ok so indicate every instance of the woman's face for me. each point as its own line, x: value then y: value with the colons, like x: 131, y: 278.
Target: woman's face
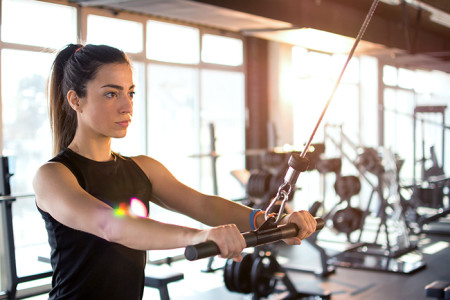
x: 107, y: 109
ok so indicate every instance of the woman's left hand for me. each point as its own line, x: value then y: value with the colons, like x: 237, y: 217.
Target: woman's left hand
x: 305, y: 223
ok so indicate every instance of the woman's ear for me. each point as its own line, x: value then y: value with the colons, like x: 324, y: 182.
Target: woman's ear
x: 74, y: 100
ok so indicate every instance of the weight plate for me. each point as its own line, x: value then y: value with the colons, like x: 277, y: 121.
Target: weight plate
x: 228, y: 275
x: 348, y: 219
x: 262, y: 279
x: 241, y: 274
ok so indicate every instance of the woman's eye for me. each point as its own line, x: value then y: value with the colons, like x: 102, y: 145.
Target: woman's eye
x: 111, y: 94
x: 131, y: 94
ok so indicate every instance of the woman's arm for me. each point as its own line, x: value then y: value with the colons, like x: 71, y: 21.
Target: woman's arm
x: 58, y: 193
x: 207, y: 209
x: 212, y: 210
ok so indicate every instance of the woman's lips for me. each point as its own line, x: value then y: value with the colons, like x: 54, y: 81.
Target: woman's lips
x: 124, y: 123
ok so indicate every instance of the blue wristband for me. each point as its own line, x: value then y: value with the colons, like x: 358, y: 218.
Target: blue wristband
x: 252, y: 218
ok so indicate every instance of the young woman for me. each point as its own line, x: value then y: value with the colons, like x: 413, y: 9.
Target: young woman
x: 97, y: 253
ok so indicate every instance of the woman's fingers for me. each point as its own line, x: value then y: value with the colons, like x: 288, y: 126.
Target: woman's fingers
x: 305, y: 223
x: 229, y: 240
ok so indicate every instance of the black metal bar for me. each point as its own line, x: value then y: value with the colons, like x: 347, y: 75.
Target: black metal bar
x: 252, y: 238
x: 35, y: 276
x: 10, y: 255
x: 10, y: 251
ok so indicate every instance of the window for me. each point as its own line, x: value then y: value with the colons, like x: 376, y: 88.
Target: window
x: 176, y: 99
x: 398, y: 133
x: 37, y: 23
x: 406, y: 78
x: 25, y: 126
x: 389, y: 75
x: 27, y: 143
x: 222, y: 105
x: 26, y: 129
x: 315, y: 77
x: 123, y: 34
x: 173, y: 43
x: 408, y: 89
x: 222, y: 50
x: 173, y: 126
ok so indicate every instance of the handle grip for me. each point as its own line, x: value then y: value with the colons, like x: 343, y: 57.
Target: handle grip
x: 252, y: 238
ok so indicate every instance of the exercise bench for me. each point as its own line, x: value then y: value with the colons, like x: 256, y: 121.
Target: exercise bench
x: 159, y: 277
x: 438, y: 289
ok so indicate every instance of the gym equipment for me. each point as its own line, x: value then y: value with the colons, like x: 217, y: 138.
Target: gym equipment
x: 6, y: 201
x: 427, y: 110
x: 331, y: 165
x: 259, y: 273
x: 273, y: 170
x: 350, y: 218
x: 258, y: 183
x: 435, y: 169
x: 268, y: 232
x: 315, y: 155
x: 158, y: 278
x: 378, y: 255
x: 297, y: 163
x: 5, y: 187
x: 347, y: 186
x: 438, y: 289
x: 370, y: 161
x: 433, y: 186
x: 13, y: 279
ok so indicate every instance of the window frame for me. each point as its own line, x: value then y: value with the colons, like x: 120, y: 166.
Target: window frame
x: 82, y: 13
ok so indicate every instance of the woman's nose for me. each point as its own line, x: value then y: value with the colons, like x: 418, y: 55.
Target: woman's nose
x: 126, y: 105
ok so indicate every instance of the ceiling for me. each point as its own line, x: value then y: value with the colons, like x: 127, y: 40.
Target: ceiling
x: 406, y: 33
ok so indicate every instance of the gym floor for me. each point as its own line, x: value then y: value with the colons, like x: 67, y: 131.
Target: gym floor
x: 343, y: 283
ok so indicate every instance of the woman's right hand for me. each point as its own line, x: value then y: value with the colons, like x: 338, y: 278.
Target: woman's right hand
x: 228, y: 238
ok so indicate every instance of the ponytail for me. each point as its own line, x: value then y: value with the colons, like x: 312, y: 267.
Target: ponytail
x: 63, y: 119
x: 73, y: 67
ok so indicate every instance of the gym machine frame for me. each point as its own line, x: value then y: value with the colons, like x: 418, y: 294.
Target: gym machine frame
x: 436, y: 182
x: 422, y: 110
x: 6, y: 201
x: 389, y: 258
x: 10, y: 257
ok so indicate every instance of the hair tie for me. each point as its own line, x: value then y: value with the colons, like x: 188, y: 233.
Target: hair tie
x: 78, y: 49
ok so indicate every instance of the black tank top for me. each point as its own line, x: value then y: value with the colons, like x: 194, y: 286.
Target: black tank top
x: 84, y: 265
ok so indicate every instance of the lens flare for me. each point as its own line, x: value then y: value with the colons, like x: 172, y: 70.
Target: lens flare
x: 122, y: 210
x: 136, y: 208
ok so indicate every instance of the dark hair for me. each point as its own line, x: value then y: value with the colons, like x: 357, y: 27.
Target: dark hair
x: 73, y: 68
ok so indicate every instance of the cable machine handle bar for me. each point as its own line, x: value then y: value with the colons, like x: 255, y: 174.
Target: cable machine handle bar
x: 252, y: 238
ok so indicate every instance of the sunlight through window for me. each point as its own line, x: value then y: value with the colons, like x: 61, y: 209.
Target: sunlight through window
x: 222, y: 50
x: 38, y: 23
x: 123, y: 34
x: 172, y: 43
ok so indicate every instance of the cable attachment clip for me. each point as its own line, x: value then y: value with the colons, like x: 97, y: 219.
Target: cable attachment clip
x: 297, y: 164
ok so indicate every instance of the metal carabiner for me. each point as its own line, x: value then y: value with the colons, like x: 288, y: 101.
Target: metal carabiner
x: 283, y: 196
